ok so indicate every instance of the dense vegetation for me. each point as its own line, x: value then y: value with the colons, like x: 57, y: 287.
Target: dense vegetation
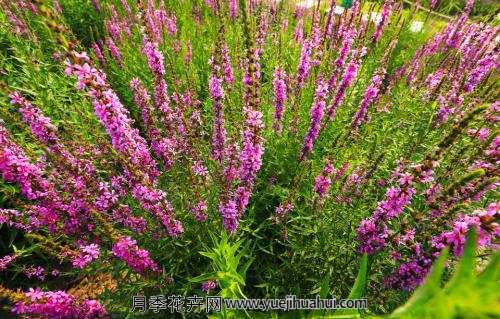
x: 246, y: 149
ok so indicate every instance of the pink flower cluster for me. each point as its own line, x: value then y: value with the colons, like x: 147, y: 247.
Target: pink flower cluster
x: 253, y: 147
x: 40, y: 125
x: 485, y: 221
x: 155, y: 201
x: 115, y: 118
x: 373, y: 232
x: 57, y: 304
x: 233, y: 8
x: 323, y: 181
x: 200, y: 211
x: 408, y: 275
x: 37, y: 272
x: 284, y: 209
x: 86, y: 254
x: 6, y: 261
x: 137, y: 259
x: 122, y: 214
x: 16, y: 167
x: 230, y: 217
x: 226, y: 65
x: 372, y: 235
x: 154, y: 57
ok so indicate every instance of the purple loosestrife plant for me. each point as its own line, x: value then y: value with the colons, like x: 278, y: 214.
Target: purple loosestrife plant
x: 372, y: 235
x: 137, y: 259
x: 233, y: 9
x: 199, y: 211
x: 127, y: 141
x: 161, y: 97
x: 304, y: 66
x: 411, y: 273
x: 485, y: 221
x: 226, y: 65
x: 79, y: 175
x: 208, y: 286
x: 262, y: 33
x: 348, y: 38
x: 253, y: 147
x: 323, y: 181
x: 113, y: 116
x: 280, y: 95
x: 153, y: 25
x: 164, y: 148
x: 114, y: 51
x: 346, y: 81
x: 218, y: 129
x: 97, y: 49
x: 384, y: 19
x: 284, y: 209
x: 484, y: 66
x: 86, y: 204
x: 154, y: 58
x: 368, y: 98
x: 299, y: 32
x: 433, y: 80
x: 229, y: 213
x: 40, y: 125
x: 143, y: 102
x: 316, y: 114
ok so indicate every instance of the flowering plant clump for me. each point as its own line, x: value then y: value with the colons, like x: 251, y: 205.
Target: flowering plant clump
x: 247, y: 148
x: 58, y: 304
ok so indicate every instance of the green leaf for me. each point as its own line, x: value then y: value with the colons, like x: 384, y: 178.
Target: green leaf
x: 204, y: 277
x: 245, y: 267
x: 325, y: 286
x: 464, y: 272
x: 358, y: 288
x: 209, y: 255
x: 324, y: 289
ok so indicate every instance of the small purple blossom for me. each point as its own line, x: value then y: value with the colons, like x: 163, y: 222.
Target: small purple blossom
x: 208, y: 286
x: 199, y: 211
x: 284, y: 209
